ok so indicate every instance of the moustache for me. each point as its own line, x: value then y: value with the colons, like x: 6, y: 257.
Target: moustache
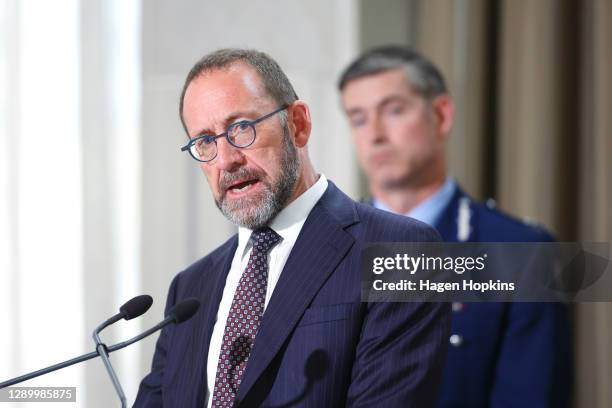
x: 228, y: 179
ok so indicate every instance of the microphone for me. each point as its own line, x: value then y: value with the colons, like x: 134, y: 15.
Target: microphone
x: 131, y: 309
x: 179, y: 313
x: 136, y: 307
x: 183, y: 310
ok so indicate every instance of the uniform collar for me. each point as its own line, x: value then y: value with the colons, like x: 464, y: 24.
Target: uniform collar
x: 430, y: 210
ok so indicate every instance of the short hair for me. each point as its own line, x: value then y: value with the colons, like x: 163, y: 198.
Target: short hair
x: 275, y: 81
x: 421, y: 73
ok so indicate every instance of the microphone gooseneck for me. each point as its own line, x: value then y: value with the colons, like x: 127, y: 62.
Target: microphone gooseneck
x: 132, y: 308
x: 171, y: 318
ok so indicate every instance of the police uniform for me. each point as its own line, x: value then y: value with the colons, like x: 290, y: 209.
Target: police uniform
x: 502, y: 354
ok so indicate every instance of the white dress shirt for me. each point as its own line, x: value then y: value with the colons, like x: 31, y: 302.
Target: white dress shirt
x: 288, y: 224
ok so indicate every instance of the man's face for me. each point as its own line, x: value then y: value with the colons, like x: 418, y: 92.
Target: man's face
x: 396, y: 131
x: 250, y: 185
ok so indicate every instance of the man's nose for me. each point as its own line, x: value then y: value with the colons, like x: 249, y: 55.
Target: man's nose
x: 228, y: 157
x: 377, y: 130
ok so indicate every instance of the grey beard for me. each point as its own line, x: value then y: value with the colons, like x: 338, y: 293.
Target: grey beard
x: 256, y: 212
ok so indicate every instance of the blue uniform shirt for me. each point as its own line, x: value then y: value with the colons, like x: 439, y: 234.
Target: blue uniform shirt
x: 430, y: 210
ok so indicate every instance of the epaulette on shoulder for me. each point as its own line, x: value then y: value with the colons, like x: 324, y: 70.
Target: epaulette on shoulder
x: 530, y: 222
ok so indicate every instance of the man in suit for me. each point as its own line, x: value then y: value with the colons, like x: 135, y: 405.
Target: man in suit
x: 400, y: 114
x: 281, y: 321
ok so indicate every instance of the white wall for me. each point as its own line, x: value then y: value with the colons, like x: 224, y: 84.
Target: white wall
x: 41, y: 220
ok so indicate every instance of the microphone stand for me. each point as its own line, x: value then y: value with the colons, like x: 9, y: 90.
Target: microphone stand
x: 103, y: 353
x: 87, y: 356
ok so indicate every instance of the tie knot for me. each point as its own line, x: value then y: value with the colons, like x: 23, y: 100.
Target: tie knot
x: 264, y: 239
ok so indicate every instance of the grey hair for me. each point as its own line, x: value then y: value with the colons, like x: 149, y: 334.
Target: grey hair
x: 275, y: 81
x: 421, y: 73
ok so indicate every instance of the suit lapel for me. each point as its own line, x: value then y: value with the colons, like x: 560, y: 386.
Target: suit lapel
x: 210, y: 291
x: 320, y: 247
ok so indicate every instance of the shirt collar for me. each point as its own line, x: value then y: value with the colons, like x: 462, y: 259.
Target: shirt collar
x: 288, y: 222
x: 430, y: 210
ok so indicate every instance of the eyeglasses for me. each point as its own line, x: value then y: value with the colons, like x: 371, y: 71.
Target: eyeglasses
x: 241, y: 134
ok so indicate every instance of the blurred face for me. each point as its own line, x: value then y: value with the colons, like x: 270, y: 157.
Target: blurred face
x: 398, y: 134
x: 250, y: 185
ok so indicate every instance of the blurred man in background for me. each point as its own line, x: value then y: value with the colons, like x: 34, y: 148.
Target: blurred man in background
x: 400, y: 114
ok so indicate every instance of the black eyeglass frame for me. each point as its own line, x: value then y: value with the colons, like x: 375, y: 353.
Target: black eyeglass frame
x: 211, y: 139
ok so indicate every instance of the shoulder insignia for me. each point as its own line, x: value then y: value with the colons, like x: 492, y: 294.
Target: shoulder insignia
x: 463, y: 220
x: 531, y: 222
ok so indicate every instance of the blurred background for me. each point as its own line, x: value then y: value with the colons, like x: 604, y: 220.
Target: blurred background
x: 97, y: 203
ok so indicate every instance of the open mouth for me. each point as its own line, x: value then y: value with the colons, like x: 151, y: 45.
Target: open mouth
x: 242, y: 186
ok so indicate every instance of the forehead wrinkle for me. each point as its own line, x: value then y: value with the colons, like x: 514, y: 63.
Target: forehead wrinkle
x: 231, y: 118
x: 250, y: 113
x: 228, y: 93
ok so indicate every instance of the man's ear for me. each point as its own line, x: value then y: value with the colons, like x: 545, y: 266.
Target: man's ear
x: 444, y: 109
x: 299, y: 122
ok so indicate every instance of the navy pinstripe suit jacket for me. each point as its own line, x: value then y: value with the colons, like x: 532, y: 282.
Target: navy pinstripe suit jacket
x: 318, y: 345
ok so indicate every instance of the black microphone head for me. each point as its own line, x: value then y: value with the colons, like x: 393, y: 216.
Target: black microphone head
x: 136, y: 306
x: 184, y: 310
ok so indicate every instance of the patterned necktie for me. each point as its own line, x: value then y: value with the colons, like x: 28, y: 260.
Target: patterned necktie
x: 243, y: 319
